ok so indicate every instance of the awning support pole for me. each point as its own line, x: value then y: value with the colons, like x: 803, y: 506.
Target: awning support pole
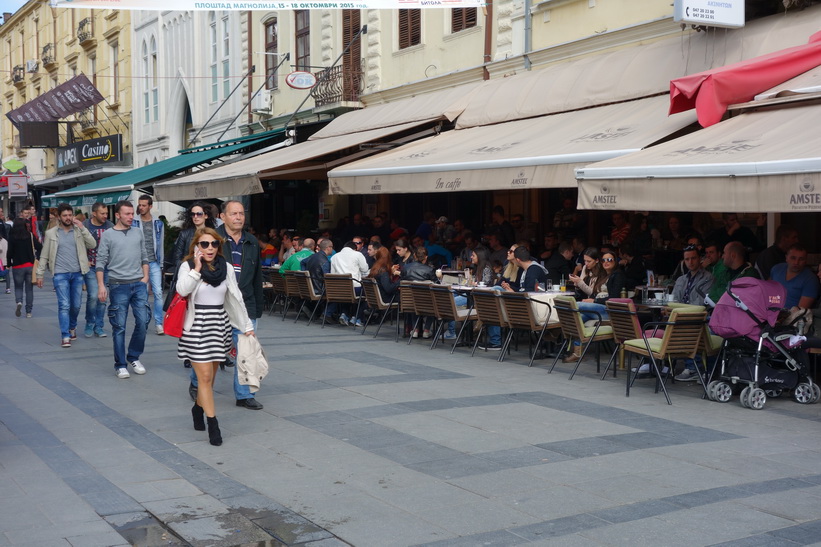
x: 241, y: 81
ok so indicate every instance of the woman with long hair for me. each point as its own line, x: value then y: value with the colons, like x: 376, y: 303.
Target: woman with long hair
x: 592, y: 275
x: 511, y: 271
x: 197, y: 216
x: 381, y: 271
x: 404, y: 252
x: 482, y: 270
x: 615, y: 281
x: 23, y: 250
x: 215, y: 303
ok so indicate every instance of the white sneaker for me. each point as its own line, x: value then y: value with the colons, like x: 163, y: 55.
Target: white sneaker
x: 138, y: 367
x: 643, y: 369
x: 160, y: 332
x: 123, y: 373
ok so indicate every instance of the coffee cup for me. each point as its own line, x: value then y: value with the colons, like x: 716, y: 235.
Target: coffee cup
x: 557, y: 287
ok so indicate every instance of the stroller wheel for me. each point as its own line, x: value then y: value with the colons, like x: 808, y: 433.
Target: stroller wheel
x: 803, y: 393
x: 710, y: 390
x: 774, y: 393
x: 816, y: 392
x: 743, y: 397
x: 723, y: 392
x: 756, y: 399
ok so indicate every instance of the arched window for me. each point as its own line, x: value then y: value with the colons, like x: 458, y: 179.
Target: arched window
x: 146, y: 84
x: 155, y: 90
x: 271, y: 53
x: 212, y: 38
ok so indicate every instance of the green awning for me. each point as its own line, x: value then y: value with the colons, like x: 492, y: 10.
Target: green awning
x: 108, y: 198
x: 127, y: 181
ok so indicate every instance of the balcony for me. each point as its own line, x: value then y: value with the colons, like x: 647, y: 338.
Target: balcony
x: 338, y: 85
x: 48, y: 55
x: 85, y: 30
x: 87, y: 118
x: 18, y: 74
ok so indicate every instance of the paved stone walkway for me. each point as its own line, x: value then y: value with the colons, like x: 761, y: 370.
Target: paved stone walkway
x: 372, y: 443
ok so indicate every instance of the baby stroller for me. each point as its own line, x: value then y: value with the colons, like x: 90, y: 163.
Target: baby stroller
x: 758, y: 351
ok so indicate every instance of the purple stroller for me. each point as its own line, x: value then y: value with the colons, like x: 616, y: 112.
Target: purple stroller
x: 757, y: 350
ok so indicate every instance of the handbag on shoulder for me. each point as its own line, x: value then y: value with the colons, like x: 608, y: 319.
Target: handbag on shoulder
x: 175, y: 316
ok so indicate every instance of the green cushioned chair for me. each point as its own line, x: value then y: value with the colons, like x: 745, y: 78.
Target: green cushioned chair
x: 570, y: 318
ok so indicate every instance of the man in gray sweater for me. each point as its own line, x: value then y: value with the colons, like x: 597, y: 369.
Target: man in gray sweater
x: 122, y: 253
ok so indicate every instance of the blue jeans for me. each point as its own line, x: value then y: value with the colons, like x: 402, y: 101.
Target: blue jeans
x: 95, y: 310
x: 461, y: 301
x: 155, y: 278
x: 69, y: 287
x: 240, y: 391
x: 22, y: 280
x: 121, y: 297
x: 592, y: 306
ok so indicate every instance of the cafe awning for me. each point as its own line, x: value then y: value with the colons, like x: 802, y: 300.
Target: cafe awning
x: 535, y: 153
x: 223, y: 180
x: 107, y: 198
x: 759, y: 161
x: 147, y: 174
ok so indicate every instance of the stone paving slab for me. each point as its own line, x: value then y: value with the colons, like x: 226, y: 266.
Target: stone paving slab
x: 366, y: 442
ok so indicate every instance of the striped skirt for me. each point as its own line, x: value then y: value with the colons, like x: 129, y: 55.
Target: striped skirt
x: 209, y: 338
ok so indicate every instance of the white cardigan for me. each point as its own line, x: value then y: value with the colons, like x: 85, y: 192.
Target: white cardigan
x: 189, y: 282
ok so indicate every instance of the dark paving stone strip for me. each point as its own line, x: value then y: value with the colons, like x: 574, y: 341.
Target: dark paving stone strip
x: 806, y: 533
x: 108, y: 500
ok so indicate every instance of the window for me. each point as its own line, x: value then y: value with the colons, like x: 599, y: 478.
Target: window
x: 303, y: 39
x: 271, y: 51
x: 226, y: 65
x: 410, y: 28
x: 462, y: 18
x: 155, y: 86
x: 115, y: 73
x: 212, y: 20
x: 146, y: 85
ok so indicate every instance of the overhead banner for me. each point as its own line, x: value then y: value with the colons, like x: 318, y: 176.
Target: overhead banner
x: 64, y: 100
x: 236, y: 5
x: 107, y: 149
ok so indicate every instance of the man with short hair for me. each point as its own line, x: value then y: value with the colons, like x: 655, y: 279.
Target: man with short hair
x: 532, y: 272
x: 154, y: 236
x: 621, y: 228
x: 122, y: 253
x: 734, y: 231
x: 785, y: 237
x: 444, y: 231
x: 712, y: 256
x: 64, y: 254
x: 471, y: 244
x: 241, y: 250
x: 498, y: 252
x: 635, y: 270
x: 350, y: 261
x: 96, y: 224
x: 799, y: 281
x: 286, y: 249
x: 692, y: 287
x: 304, y: 249
x: 731, y: 267
x: 501, y: 227
x: 560, y: 264
x: 318, y: 264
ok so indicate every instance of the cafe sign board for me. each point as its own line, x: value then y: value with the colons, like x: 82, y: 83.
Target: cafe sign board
x: 710, y: 13
x: 80, y: 154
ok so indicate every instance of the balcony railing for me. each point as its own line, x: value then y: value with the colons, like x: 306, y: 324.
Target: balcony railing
x: 87, y: 117
x: 18, y: 74
x: 338, y: 84
x: 85, y: 30
x: 48, y: 54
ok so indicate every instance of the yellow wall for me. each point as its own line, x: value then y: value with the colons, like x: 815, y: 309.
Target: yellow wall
x: 23, y: 38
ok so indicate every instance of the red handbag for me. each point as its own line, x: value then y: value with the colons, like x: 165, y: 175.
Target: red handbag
x: 174, y: 318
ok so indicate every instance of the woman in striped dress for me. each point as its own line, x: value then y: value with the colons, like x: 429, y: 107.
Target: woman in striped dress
x: 214, y: 304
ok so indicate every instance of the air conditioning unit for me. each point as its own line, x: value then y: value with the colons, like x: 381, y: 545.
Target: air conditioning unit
x: 263, y: 102
x: 32, y: 65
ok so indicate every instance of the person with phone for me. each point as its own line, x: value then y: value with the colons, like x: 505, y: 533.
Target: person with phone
x: 215, y: 304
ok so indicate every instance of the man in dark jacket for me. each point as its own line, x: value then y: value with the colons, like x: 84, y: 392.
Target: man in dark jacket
x: 241, y: 249
x: 319, y: 263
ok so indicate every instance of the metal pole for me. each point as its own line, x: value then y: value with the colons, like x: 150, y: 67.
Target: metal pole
x: 194, y: 140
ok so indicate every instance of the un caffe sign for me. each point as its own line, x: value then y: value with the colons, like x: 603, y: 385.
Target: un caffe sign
x: 80, y: 154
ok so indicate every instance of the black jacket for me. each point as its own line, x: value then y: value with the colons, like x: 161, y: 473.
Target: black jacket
x: 614, y: 284
x: 318, y: 264
x: 558, y: 267
x: 416, y: 271
x: 250, y: 277
x: 387, y: 287
x: 20, y: 251
x: 181, y: 246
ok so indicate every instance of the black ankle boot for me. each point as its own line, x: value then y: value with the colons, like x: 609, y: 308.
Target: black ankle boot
x: 214, y: 435
x: 199, y: 417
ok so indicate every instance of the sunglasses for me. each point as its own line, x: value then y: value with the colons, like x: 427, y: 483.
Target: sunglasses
x: 608, y: 259
x: 205, y: 244
x: 197, y: 214
x: 358, y: 243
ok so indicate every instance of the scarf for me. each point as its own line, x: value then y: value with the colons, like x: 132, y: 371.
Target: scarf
x: 217, y: 275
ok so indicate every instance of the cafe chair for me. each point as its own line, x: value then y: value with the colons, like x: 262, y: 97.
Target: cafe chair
x: 278, y: 295
x: 292, y: 294
x: 518, y: 308
x: 423, y: 305
x: 488, y: 306
x: 373, y: 296
x: 624, y: 320
x: 570, y: 318
x: 406, y: 309
x: 447, y: 312
x: 682, y: 339
x: 307, y: 291
x: 341, y: 289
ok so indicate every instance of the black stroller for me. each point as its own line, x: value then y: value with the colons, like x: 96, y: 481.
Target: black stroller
x: 757, y: 351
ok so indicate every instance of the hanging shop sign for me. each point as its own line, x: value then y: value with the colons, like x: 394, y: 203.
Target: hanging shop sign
x: 68, y: 98
x: 300, y: 80
x: 80, y: 154
x: 18, y: 185
x: 237, y: 5
x: 710, y: 13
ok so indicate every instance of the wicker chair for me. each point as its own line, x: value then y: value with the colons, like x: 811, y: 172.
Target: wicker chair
x: 405, y: 304
x: 340, y: 289
x: 423, y: 305
x: 570, y: 318
x: 447, y: 312
x: 626, y: 326
x: 307, y: 292
x: 373, y: 296
x: 292, y: 294
x: 278, y: 291
x: 518, y: 308
x: 488, y: 306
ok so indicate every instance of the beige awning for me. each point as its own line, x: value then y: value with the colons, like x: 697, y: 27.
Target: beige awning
x: 535, y: 153
x: 765, y: 161
x: 243, y: 177
x: 631, y: 72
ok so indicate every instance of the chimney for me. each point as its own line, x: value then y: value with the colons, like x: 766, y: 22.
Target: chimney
x: 6, y: 16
